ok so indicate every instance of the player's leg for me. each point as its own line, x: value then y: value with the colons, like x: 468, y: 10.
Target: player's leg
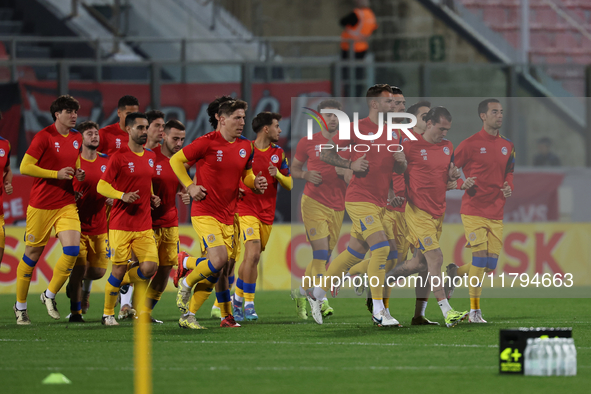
x: 97, y: 263
x: 120, y: 242
x: 144, y: 247
x: 74, y: 286
x: 390, y: 225
x: 37, y: 233
x: 167, y: 241
x: 235, y: 254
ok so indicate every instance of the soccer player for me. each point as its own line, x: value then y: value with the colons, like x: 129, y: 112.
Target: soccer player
x: 155, y: 129
x: 115, y: 136
x: 428, y: 168
x: 7, y: 181
x: 131, y: 168
x: 93, y: 260
x: 52, y: 159
x: 227, y: 157
x: 323, y: 202
x: 165, y: 218
x: 365, y: 201
x: 487, y: 159
x: 257, y: 211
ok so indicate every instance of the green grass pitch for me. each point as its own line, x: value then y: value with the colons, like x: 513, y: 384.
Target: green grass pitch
x: 282, y: 354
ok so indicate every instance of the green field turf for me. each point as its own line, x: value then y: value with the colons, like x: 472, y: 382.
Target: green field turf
x: 281, y: 354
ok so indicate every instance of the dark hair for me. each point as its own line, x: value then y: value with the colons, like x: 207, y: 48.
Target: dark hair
x: 330, y: 103
x: 264, y: 119
x: 396, y: 89
x: 483, y: 106
x: 173, y: 124
x: 414, y: 109
x: 63, y: 102
x: 378, y: 89
x: 127, y: 101
x: 436, y: 113
x: 214, y: 107
x: 154, y: 114
x: 229, y: 107
x: 130, y: 119
x: 89, y: 124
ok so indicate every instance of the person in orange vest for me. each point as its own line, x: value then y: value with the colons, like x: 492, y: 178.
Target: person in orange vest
x: 359, y: 26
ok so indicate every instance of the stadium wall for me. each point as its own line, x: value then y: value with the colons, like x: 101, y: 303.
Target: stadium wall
x: 528, y: 248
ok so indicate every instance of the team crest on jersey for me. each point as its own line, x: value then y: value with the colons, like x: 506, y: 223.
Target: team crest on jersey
x: 118, y: 143
x: 370, y: 133
x: 103, y: 168
x: 250, y: 231
x: 76, y: 145
x: 131, y: 166
x: 211, y: 238
x: 312, y: 232
x: 405, y: 139
x: 472, y: 236
x: 503, y: 150
x: 158, y: 169
x: 2, y: 153
x: 31, y: 238
x: 428, y: 241
x: 369, y: 220
x: 275, y: 159
x: 151, y: 163
x: 242, y: 153
x: 446, y: 150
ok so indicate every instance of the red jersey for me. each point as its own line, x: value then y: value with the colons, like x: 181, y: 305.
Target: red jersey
x: 91, y: 205
x: 54, y: 151
x: 372, y: 185
x: 262, y: 206
x: 166, y: 186
x: 398, y: 182
x: 219, y: 173
x: 331, y: 191
x: 112, y: 138
x: 127, y: 172
x: 5, y: 166
x: 427, y: 174
x: 491, y: 160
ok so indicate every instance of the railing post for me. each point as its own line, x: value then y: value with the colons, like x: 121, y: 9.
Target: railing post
x: 155, y: 86
x: 97, y: 57
x: 337, y: 79
x: 184, y: 60
x: 246, y: 93
x: 13, y: 67
x: 62, y: 78
x: 588, y: 114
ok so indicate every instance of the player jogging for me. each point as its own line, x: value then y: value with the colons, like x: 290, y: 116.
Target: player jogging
x: 227, y: 157
x: 115, y: 136
x: 130, y: 228
x: 487, y: 160
x: 257, y: 211
x: 7, y: 182
x: 52, y: 159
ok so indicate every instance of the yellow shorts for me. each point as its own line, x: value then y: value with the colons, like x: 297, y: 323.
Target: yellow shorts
x: 142, y: 243
x: 367, y: 219
x: 397, y: 221
x: 41, y: 221
x: 483, y: 234
x: 212, y: 233
x: 167, y: 242
x: 2, y: 233
x: 94, y: 249
x: 253, y: 229
x: 321, y: 221
x: 424, y: 231
x: 236, y: 239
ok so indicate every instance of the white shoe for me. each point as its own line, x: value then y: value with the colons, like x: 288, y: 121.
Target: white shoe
x: 22, y: 317
x: 50, y: 305
x: 109, y: 321
x: 316, y: 306
x: 476, y: 317
x: 384, y: 319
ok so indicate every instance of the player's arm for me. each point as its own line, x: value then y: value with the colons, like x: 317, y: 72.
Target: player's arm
x: 8, y: 174
x: 329, y: 155
x: 195, y: 151
x: 508, y: 185
x: 282, y: 175
x: 256, y: 183
x: 29, y: 167
x: 105, y: 187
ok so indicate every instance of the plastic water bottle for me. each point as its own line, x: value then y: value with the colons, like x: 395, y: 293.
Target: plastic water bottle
x: 531, y: 363
x: 570, y: 367
x: 560, y: 356
x: 542, y: 354
x: 551, y: 357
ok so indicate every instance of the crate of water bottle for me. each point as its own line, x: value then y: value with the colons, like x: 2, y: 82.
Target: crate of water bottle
x: 550, y: 357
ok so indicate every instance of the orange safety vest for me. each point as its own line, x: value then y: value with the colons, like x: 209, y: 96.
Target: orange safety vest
x: 361, y: 31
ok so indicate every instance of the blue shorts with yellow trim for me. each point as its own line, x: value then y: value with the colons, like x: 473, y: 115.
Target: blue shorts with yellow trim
x: 40, y: 222
x: 167, y: 242
x: 483, y: 234
x: 142, y: 243
x: 212, y: 233
x: 253, y: 229
x: 424, y: 230
x: 321, y: 221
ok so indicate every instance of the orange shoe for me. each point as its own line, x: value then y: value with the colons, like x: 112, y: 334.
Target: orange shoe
x: 229, y: 322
